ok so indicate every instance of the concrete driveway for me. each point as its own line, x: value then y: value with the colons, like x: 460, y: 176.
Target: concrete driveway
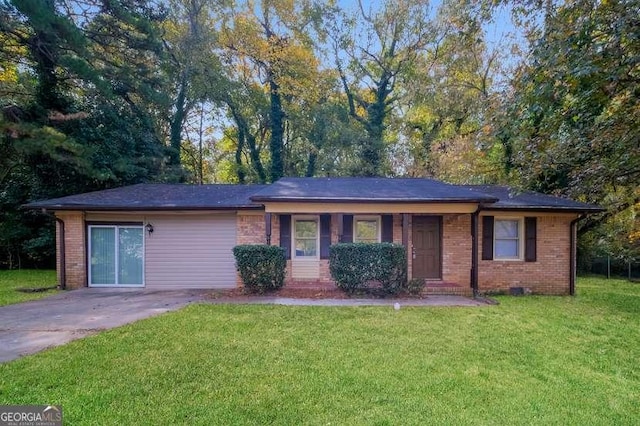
x: 29, y: 327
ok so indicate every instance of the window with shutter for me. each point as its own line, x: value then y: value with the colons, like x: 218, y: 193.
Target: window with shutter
x: 506, y: 244
x: 366, y: 229
x: 305, y: 238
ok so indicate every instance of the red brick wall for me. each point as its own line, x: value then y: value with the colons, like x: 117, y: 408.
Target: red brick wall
x: 548, y: 275
x: 251, y: 229
x: 456, y: 249
x: 75, y: 249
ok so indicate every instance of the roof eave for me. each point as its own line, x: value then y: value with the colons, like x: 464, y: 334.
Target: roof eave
x: 371, y: 200
x: 584, y: 210
x: 88, y: 207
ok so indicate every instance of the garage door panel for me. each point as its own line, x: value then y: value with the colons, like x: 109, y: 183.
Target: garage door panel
x: 191, y: 252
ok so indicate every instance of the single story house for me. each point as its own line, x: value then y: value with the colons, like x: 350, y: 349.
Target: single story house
x: 164, y: 236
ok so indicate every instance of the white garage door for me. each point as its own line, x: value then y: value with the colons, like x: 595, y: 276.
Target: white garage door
x: 190, y: 252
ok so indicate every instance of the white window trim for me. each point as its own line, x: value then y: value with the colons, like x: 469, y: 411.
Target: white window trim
x: 116, y: 226
x: 293, y: 238
x: 520, y: 256
x: 377, y: 218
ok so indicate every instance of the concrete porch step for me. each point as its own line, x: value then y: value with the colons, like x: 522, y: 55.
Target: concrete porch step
x: 441, y: 288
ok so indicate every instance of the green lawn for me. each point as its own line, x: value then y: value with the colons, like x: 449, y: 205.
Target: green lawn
x: 25, y: 278
x: 529, y: 360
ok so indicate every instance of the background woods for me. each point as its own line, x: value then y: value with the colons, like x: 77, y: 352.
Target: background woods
x: 535, y: 94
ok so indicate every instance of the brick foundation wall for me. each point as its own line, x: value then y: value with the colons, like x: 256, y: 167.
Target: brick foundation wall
x: 548, y: 275
x: 75, y: 249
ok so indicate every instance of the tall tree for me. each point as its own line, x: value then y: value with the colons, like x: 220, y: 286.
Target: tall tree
x: 190, y: 40
x: 572, y: 118
x: 450, y: 91
x: 79, y: 109
x: 275, y: 39
x: 374, y: 50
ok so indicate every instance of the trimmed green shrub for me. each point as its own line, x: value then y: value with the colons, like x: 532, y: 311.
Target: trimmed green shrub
x: 415, y: 286
x: 357, y: 266
x: 261, y: 267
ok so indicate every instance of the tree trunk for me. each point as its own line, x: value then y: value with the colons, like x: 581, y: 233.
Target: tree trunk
x: 254, y: 154
x: 239, y: 166
x: 277, y: 132
x: 200, y: 151
x: 255, y: 158
x: 175, y: 138
x: 44, y: 47
x: 311, y: 165
x: 374, y: 145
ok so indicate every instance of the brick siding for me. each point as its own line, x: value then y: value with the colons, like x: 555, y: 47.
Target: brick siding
x: 251, y: 229
x: 75, y: 249
x: 456, y: 249
x: 548, y: 275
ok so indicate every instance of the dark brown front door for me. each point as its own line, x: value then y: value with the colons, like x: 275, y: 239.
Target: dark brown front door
x: 427, y: 259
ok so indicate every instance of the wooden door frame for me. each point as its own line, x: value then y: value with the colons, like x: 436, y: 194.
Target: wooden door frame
x: 440, y: 220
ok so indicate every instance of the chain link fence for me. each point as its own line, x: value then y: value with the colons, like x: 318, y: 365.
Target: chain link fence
x: 611, y: 267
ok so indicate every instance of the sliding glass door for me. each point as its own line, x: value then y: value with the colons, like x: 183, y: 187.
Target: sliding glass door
x: 116, y: 255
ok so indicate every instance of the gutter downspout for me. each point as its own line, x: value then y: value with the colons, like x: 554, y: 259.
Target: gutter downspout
x: 474, y: 250
x: 63, y: 260
x: 572, y: 254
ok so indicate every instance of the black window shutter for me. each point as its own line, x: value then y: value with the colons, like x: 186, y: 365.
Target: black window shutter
x: 347, y: 228
x: 530, y: 236
x: 285, y: 234
x: 487, y: 237
x: 325, y: 235
x: 387, y: 228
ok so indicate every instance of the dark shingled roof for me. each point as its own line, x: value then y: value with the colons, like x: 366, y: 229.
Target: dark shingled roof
x: 397, y: 190
x: 158, y: 196
x: 381, y: 190
x: 512, y: 199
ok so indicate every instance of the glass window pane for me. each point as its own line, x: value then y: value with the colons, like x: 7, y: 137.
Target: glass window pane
x: 507, y: 248
x: 366, y: 231
x: 306, y: 228
x: 506, y: 228
x: 103, y: 259
x: 306, y: 248
x: 130, y: 256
